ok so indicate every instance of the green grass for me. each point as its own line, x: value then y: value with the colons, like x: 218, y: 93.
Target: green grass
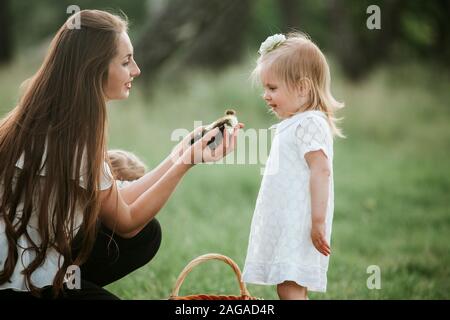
x: 392, y: 181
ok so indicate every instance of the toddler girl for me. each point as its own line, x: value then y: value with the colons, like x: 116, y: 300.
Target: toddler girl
x: 289, y: 243
x: 125, y: 165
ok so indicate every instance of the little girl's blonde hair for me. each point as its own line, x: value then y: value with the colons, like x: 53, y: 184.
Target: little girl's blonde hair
x: 126, y: 166
x: 295, y: 60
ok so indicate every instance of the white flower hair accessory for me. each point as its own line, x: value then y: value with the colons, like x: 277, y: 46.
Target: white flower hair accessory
x: 271, y: 43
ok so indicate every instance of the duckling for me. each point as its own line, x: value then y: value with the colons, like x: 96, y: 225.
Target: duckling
x: 229, y: 121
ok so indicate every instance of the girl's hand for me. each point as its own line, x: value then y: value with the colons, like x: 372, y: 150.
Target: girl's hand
x: 200, y: 151
x: 318, y: 238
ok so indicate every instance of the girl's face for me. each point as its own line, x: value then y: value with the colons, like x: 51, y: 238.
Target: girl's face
x: 282, y: 101
x: 122, y: 70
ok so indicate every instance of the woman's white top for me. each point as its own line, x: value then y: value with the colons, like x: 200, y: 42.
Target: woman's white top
x: 45, y: 274
x: 280, y: 246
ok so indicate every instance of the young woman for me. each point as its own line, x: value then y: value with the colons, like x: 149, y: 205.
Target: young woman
x: 59, y: 204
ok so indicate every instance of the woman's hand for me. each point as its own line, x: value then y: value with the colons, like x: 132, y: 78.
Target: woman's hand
x: 318, y: 238
x: 184, y: 144
x: 227, y: 145
x: 200, y: 152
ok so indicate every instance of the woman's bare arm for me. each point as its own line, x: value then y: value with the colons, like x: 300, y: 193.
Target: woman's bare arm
x: 127, y: 219
x: 132, y: 191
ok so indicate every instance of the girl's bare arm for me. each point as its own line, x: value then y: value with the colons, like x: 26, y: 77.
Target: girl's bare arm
x: 319, y: 187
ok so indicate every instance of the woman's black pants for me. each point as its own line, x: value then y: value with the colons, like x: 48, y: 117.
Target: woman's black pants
x: 110, y: 260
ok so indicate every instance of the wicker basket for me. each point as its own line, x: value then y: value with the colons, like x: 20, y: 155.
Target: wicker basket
x: 245, y: 295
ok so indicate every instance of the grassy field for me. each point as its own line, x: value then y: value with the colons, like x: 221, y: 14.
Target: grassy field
x: 392, y: 180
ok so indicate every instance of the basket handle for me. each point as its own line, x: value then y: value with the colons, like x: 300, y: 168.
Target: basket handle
x: 206, y: 257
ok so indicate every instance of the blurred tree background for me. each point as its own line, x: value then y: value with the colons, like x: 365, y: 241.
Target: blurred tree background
x: 214, y: 33
x: 392, y: 180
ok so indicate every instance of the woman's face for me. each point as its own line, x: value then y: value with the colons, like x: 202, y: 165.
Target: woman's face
x: 122, y: 70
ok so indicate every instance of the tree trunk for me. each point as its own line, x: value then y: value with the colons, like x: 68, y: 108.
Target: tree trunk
x: 220, y: 39
x: 441, y: 46
x: 291, y: 15
x: 344, y: 41
x: 201, y: 32
x: 357, y: 48
x: 6, y: 45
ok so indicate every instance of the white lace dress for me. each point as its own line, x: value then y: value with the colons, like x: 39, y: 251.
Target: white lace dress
x: 280, y: 246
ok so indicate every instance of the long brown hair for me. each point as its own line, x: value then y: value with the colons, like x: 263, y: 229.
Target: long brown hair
x: 62, y: 109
